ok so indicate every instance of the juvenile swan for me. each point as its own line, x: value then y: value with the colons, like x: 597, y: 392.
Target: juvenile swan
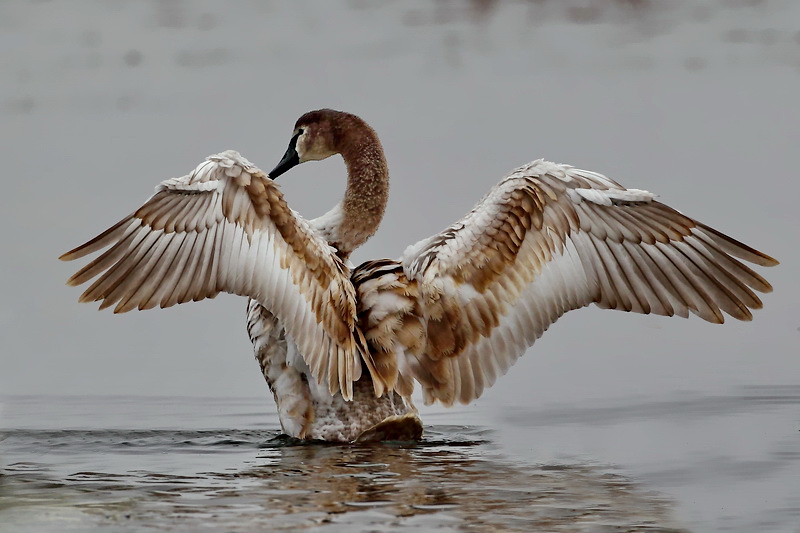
x: 341, y: 347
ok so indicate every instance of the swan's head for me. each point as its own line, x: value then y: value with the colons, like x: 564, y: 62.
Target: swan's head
x: 316, y: 136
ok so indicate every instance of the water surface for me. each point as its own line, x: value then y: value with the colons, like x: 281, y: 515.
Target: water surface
x: 112, y: 463
x: 456, y: 479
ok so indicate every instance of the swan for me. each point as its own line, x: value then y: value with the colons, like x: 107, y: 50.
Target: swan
x: 342, y: 346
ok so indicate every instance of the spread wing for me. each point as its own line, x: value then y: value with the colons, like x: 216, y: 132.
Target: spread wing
x: 545, y: 240
x: 227, y: 228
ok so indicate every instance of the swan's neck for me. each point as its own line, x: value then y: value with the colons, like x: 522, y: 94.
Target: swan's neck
x: 356, y: 218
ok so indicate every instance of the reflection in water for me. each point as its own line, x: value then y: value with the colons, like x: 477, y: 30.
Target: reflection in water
x: 447, y: 483
x: 454, y: 480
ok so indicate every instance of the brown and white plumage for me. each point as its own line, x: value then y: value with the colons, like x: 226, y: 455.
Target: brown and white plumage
x: 226, y: 228
x: 453, y: 313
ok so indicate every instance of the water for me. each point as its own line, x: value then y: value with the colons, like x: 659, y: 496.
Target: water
x: 456, y: 479
x: 118, y: 463
x: 611, y: 422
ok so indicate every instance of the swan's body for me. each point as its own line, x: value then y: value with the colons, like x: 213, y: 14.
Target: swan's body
x: 340, y: 347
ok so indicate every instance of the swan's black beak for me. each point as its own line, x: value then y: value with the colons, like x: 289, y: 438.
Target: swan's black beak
x: 290, y: 159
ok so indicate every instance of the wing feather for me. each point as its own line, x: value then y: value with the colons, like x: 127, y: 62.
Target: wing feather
x: 147, y: 294
x: 136, y: 283
x: 172, y: 294
x: 226, y: 228
x: 664, y: 294
x: 193, y: 257
x: 103, y: 262
x: 110, y: 236
x: 110, y: 279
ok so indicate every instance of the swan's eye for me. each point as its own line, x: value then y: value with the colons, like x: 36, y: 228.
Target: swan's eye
x: 301, y: 131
